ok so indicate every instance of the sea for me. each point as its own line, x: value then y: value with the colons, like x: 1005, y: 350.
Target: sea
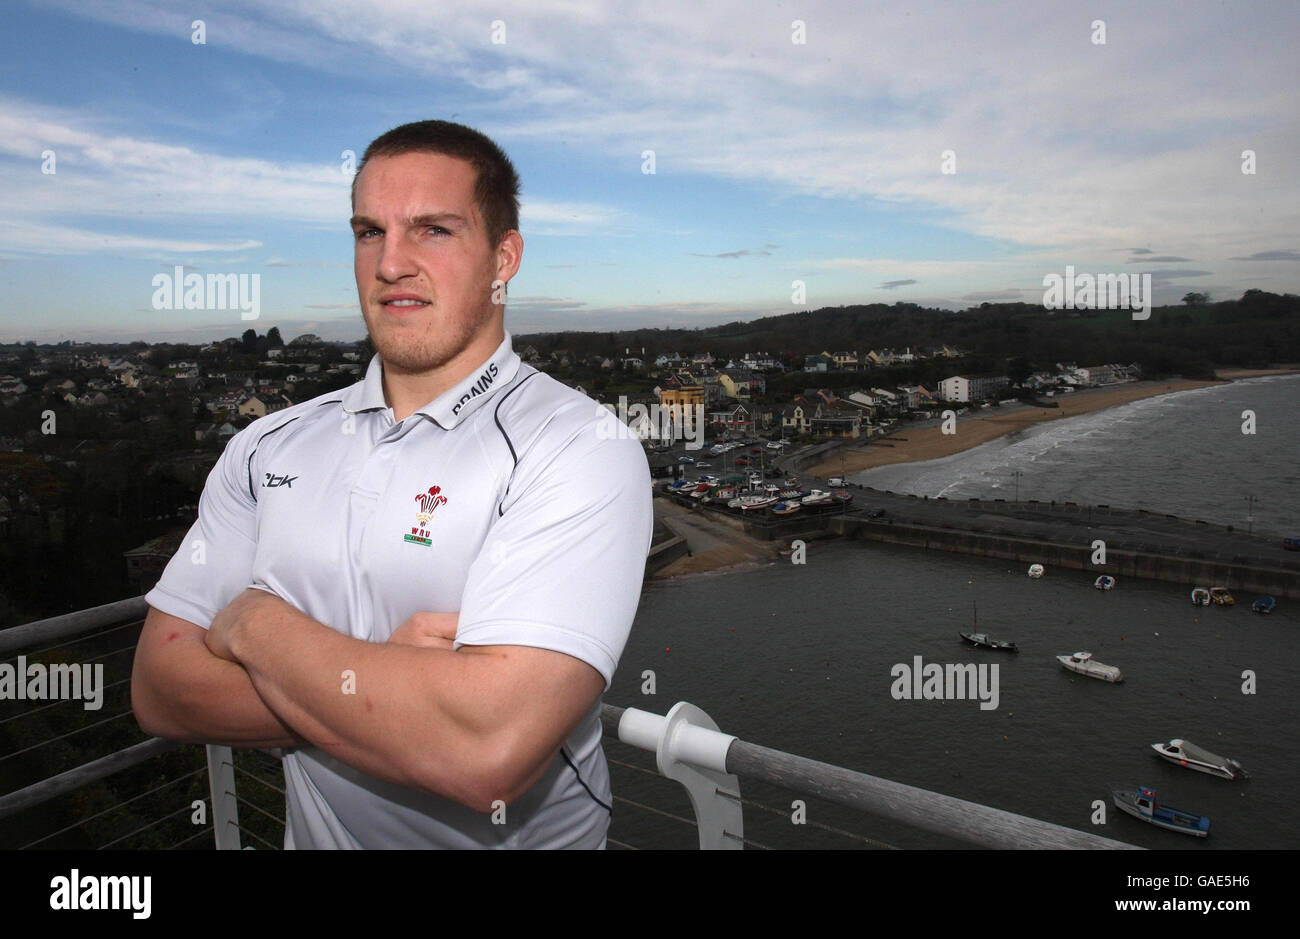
x: 806, y: 658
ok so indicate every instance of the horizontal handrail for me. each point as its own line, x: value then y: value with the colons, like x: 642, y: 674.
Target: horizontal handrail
x: 70, y: 625
x: 919, y: 808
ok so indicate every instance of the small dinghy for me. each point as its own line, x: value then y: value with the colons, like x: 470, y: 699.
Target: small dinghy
x: 1035, y: 571
x: 1104, y: 582
x: 1200, y: 596
x: 1221, y: 596
x: 1264, y: 604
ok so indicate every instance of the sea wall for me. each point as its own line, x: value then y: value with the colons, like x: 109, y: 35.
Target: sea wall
x: 1245, y: 581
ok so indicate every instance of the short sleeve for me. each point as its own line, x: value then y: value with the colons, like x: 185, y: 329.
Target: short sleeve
x: 562, y: 566
x: 215, y: 561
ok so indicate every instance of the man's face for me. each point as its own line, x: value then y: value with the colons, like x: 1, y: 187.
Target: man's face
x: 424, y: 265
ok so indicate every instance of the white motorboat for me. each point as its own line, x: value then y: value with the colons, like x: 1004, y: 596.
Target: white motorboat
x: 1185, y: 753
x: 816, y: 497
x: 1083, y: 663
x: 1035, y: 571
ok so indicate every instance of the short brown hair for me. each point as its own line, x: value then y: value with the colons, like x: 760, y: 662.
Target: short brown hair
x: 496, y: 191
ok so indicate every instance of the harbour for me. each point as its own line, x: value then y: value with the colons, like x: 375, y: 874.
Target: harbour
x: 798, y: 656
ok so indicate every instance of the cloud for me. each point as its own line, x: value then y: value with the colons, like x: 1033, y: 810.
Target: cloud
x: 1166, y: 277
x: 744, y: 253
x: 895, y: 284
x: 28, y: 238
x: 1158, y: 258
x: 1270, y: 256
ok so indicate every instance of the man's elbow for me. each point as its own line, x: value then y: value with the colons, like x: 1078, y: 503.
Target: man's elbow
x: 151, y: 713
x: 494, y: 775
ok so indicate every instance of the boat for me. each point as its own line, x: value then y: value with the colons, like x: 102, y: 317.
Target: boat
x: 1264, y: 604
x: 842, y: 496
x: 1200, y: 596
x: 1082, y: 662
x: 817, y: 497
x: 1035, y: 571
x: 984, y: 639
x: 988, y: 642
x: 1221, y: 597
x: 1140, y: 802
x: 786, y: 508
x: 1104, y: 582
x: 1185, y: 753
x: 751, y: 503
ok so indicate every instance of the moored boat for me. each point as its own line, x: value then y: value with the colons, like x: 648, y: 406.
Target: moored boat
x: 1035, y: 571
x: 988, y: 642
x: 1264, y: 604
x: 1140, y: 802
x: 816, y: 497
x: 1221, y: 597
x: 786, y: 508
x: 1184, y: 753
x: 1200, y: 596
x: 1083, y: 663
x: 1104, y: 582
x: 984, y: 639
x: 842, y: 496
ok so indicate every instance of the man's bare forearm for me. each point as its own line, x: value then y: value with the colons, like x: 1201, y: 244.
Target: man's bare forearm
x: 181, y: 691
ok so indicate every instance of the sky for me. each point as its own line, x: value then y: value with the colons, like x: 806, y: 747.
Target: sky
x: 943, y: 154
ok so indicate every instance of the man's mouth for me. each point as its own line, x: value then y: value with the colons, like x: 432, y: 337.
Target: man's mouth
x: 402, y: 302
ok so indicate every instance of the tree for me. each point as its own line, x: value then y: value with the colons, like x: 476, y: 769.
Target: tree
x: 1196, y: 299
x: 273, y: 340
x: 248, y: 342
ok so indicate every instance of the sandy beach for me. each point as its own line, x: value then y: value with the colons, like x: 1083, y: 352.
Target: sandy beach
x: 911, y: 444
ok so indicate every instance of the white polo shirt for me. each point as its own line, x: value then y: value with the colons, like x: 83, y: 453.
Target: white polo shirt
x: 511, y: 498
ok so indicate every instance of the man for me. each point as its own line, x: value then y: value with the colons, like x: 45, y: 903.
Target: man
x: 342, y: 543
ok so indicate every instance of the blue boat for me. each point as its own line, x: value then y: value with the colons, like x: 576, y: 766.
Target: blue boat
x: 1264, y: 604
x: 1141, y: 803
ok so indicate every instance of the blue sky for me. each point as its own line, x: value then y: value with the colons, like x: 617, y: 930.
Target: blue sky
x: 775, y: 160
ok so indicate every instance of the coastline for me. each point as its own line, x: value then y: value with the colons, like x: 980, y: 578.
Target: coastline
x: 915, y: 444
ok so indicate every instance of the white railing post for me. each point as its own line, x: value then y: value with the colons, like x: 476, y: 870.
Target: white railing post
x: 689, y: 748
x: 225, y: 808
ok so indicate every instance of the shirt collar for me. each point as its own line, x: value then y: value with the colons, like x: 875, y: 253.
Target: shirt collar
x: 452, y: 406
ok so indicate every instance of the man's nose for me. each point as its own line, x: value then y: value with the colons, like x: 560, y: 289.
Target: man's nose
x: 396, y: 258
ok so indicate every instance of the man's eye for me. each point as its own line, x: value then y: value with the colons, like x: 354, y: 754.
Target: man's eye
x: 363, y: 233
x: 438, y: 230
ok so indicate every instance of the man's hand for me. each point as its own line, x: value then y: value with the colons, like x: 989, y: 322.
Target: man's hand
x: 248, y: 603
x: 428, y: 630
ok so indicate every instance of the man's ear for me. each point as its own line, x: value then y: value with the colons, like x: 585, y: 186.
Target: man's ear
x: 510, y: 253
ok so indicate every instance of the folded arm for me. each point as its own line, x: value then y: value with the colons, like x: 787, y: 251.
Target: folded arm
x: 475, y: 725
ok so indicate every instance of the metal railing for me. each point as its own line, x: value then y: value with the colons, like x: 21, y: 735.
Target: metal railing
x: 688, y: 748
